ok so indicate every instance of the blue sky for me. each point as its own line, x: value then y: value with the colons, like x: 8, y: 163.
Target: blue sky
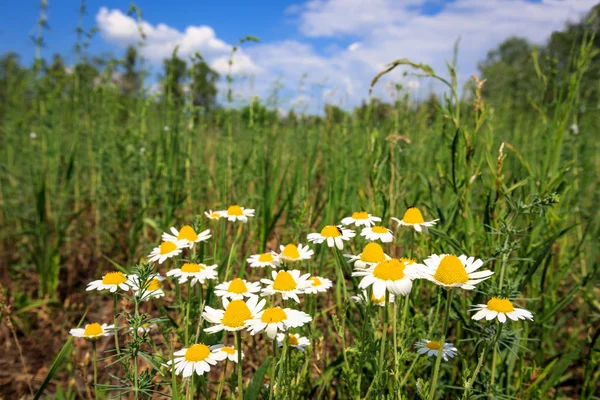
x: 334, y: 45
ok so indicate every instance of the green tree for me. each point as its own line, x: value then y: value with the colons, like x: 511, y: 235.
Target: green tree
x: 174, y: 79
x: 204, y: 84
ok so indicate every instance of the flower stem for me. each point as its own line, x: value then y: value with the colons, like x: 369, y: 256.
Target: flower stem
x: 115, y: 300
x: 238, y: 340
x: 384, y: 333
x: 395, y: 333
x: 273, y: 368
x: 438, y: 360
x: 495, y: 356
x: 222, y: 383
x: 94, y: 360
x: 187, y: 313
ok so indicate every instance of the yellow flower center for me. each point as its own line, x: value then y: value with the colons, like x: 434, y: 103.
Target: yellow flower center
x: 215, y: 215
x: 451, y: 271
x: 92, y: 330
x: 330, y: 231
x: 360, y: 215
x: 315, y: 281
x: 167, y: 247
x: 413, y: 216
x: 291, y: 251
x: 433, y: 345
x: 500, y: 305
x: 237, y: 286
x: 114, y: 278
x: 235, y: 210
x: 197, y: 352
x: 293, y: 340
x: 228, y: 350
x: 191, y: 268
x: 372, y: 253
x: 379, y: 229
x: 284, y: 281
x: 389, y: 270
x: 236, y: 314
x: 408, y: 261
x: 154, y: 284
x: 273, y: 314
x: 377, y: 300
x: 266, y: 257
x: 187, y: 233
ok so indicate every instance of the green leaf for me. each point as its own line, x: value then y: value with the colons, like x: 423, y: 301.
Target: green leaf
x: 257, y: 380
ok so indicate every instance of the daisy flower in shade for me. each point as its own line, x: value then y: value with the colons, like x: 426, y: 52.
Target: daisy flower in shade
x: 93, y: 332
x: 414, y: 219
x: 334, y: 235
x: 288, y: 283
x: 275, y: 319
x: 234, y: 316
x: 361, y: 218
x: 263, y: 260
x: 371, y: 255
x: 291, y: 253
x: 393, y: 275
x: 454, y: 272
x: 379, y: 301
x: 111, y: 281
x: 230, y: 352
x: 195, y: 272
x: 187, y: 236
x: 210, y: 214
x: 153, y: 288
x: 318, y: 285
x: 500, y: 308
x: 377, y: 233
x: 237, y: 213
x: 432, y: 348
x: 297, y: 341
x: 237, y: 289
x: 165, y: 250
x: 197, y: 358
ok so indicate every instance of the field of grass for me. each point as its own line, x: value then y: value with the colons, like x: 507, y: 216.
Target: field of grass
x: 90, y: 179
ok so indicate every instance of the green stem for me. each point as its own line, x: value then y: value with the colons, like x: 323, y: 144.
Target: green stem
x: 495, y: 356
x: 504, y: 260
x: 238, y: 343
x: 404, y: 312
x: 115, y: 301
x: 438, y: 360
x: 187, y: 313
x: 395, y: 333
x: 222, y: 383
x: 273, y: 369
x: 94, y: 360
x: 384, y: 333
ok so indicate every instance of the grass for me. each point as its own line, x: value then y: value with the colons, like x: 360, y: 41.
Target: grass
x: 104, y: 175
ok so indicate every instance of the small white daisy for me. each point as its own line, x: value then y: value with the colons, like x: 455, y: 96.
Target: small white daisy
x: 231, y: 352
x: 187, y: 236
x: 210, y: 214
x: 164, y: 251
x: 296, y: 341
x: 334, y: 235
x: 152, y: 289
x: 361, y: 298
x: 291, y: 253
x: 274, y: 319
x: 237, y: 213
x: 361, y: 218
x: 93, y: 332
x: 394, y: 275
x: 371, y: 255
x: 145, y: 328
x: 454, y: 272
x: 237, y: 289
x: 111, y: 281
x: 414, y: 219
x: 432, y: 348
x: 318, y: 285
x: 197, y: 358
x: 234, y: 316
x: 195, y: 272
x: 500, y: 308
x: 288, y: 283
x: 263, y: 260
x: 377, y: 233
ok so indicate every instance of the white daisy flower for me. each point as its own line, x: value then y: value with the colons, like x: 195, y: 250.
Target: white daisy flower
x: 371, y: 255
x: 275, y: 319
x: 111, y: 281
x: 165, y: 250
x: 210, y: 214
x: 500, y: 308
x: 334, y: 235
x: 297, y: 341
x: 414, y: 219
x: 197, y: 358
x: 361, y: 218
x: 153, y: 288
x: 230, y: 352
x: 237, y: 289
x: 234, y: 316
x: 291, y: 253
x: 454, y: 272
x: 394, y: 275
x: 145, y: 328
x: 187, y: 236
x: 432, y: 348
x: 289, y: 283
x: 237, y: 213
x: 318, y: 285
x: 263, y: 260
x: 361, y: 298
x: 377, y: 233
x: 93, y: 332
x: 195, y: 272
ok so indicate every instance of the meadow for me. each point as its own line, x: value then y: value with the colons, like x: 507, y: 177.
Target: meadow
x: 90, y: 179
